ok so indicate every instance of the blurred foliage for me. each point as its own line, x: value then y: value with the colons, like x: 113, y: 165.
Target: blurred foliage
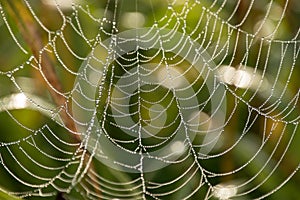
x: 27, y: 75
x: 5, y: 196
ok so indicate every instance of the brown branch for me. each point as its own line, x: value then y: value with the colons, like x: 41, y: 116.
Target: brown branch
x: 30, y: 32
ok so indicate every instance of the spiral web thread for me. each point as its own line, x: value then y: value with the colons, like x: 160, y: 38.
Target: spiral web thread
x: 47, y: 161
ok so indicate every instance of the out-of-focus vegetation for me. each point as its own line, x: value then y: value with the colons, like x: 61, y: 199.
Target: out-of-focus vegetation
x: 44, y: 37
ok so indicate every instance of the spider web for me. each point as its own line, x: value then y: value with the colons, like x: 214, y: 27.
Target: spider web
x: 149, y: 99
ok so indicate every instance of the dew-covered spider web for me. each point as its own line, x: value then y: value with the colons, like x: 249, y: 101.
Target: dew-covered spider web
x: 149, y: 99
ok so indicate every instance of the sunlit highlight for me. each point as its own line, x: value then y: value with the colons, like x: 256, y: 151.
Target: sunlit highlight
x: 245, y: 77
x: 133, y: 20
x: 177, y: 147
x: 17, y: 101
x: 170, y: 78
x: 224, y: 192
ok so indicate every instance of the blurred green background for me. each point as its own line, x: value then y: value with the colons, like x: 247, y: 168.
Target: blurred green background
x: 223, y: 28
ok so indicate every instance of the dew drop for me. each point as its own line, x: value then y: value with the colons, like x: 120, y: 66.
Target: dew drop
x: 58, y: 32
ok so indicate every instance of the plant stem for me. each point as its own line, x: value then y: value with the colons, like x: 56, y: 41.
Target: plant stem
x: 30, y: 32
